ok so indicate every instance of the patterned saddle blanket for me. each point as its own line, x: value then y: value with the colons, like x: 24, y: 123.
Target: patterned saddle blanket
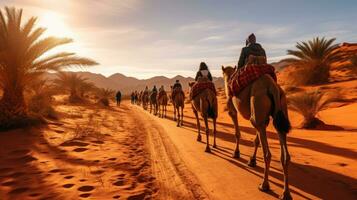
x: 199, y: 86
x: 243, y: 77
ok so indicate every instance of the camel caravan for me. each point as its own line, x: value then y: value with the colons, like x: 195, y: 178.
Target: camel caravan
x: 251, y: 89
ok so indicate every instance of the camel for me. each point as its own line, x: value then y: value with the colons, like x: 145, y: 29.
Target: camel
x: 162, y: 103
x: 145, y: 100
x: 205, y: 103
x: 178, y: 101
x: 139, y: 98
x: 257, y: 102
x: 153, y: 103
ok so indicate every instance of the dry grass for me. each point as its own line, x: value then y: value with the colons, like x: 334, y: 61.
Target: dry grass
x: 309, y: 104
x: 104, y: 96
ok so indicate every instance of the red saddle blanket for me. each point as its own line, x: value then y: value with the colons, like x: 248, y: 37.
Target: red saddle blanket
x: 243, y: 77
x: 198, y: 87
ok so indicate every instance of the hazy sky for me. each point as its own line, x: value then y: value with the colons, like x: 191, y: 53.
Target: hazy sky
x: 145, y: 38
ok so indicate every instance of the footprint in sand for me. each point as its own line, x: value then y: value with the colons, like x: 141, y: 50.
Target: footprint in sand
x: 85, y: 195
x: 97, y: 142
x: 116, y: 197
x: 137, y: 196
x: 119, y: 182
x: 97, y: 172
x: 56, y: 171
x: 74, y: 143
x: 80, y: 149
x: 69, y: 185
x: 34, y: 194
x: 83, y: 180
x: 68, y: 177
x: 86, y: 188
x: 112, y: 159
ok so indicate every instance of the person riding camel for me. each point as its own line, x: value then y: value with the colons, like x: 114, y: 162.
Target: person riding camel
x: 203, y: 72
x: 154, y: 89
x: 161, y: 88
x: 203, y: 80
x: 177, y: 85
x: 251, y: 48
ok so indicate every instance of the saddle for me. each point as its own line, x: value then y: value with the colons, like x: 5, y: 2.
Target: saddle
x: 176, y: 91
x: 254, y: 69
x: 200, y: 85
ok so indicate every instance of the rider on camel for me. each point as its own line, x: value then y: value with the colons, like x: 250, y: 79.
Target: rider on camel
x: 154, y: 90
x: 203, y: 72
x: 177, y: 85
x: 251, y: 48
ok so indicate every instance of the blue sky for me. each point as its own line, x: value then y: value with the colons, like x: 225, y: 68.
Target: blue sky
x: 144, y: 38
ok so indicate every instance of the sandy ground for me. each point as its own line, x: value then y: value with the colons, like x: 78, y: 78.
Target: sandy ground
x: 324, y: 162
x: 90, y: 154
x: 127, y: 153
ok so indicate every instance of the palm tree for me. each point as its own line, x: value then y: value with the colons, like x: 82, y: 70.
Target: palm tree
x: 72, y: 83
x: 309, y: 104
x: 22, y: 59
x: 313, y: 60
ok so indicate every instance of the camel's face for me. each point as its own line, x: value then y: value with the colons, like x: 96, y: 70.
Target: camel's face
x: 227, y: 72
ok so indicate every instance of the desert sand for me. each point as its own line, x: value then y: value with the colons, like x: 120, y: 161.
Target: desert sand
x: 126, y: 153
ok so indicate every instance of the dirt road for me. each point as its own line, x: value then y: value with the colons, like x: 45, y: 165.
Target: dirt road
x: 222, y: 177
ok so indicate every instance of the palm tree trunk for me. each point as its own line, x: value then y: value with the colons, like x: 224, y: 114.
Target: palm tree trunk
x: 13, y: 109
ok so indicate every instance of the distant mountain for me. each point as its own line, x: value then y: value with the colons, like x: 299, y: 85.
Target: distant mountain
x: 128, y: 84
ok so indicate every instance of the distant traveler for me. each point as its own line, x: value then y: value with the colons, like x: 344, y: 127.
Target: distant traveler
x: 118, y: 97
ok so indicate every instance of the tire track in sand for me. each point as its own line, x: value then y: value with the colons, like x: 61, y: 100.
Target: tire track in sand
x: 173, y: 179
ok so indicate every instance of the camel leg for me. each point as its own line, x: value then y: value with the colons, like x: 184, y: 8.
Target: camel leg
x: 214, y: 132
x: 232, y: 111
x: 174, y: 113
x: 260, y: 111
x: 178, y: 117
x: 182, y: 116
x: 253, y: 160
x: 285, y: 161
x: 208, y: 150
x: 199, y: 138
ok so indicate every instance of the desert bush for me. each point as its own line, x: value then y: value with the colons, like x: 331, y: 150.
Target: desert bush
x: 23, y: 59
x: 313, y: 59
x: 309, y: 104
x: 72, y: 83
x: 41, y: 99
x: 104, y: 96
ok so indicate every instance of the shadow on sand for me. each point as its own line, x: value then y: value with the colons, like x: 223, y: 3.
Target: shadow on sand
x: 313, y: 180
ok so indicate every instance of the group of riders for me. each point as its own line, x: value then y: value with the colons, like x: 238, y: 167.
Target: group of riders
x: 143, y: 97
x: 252, y: 90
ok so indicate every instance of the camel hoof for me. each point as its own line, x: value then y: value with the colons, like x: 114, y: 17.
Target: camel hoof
x: 264, y: 187
x: 178, y: 125
x: 208, y: 150
x: 199, y: 138
x: 236, y: 154
x: 286, y: 196
x: 252, y: 162
x: 215, y: 146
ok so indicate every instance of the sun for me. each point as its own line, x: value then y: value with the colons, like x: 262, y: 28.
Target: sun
x: 55, y: 25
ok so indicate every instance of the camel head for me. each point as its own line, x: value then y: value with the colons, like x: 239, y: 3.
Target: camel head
x: 227, y: 73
